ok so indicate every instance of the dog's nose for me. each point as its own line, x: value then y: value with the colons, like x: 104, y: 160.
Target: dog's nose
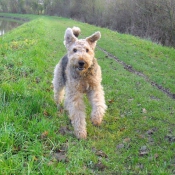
x: 81, y: 63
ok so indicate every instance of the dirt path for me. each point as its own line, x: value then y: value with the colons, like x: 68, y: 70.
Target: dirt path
x: 130, y: 69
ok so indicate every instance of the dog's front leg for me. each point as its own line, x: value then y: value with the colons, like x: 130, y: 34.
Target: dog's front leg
x: 75, y: 106
x: 99, y: 107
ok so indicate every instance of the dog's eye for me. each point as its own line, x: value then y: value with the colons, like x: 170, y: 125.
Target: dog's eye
x: 74, y: 50
x: 87, y: 50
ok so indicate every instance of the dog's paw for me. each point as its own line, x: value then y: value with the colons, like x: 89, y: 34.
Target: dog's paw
x: 96, y: 121
x: 81, y: 134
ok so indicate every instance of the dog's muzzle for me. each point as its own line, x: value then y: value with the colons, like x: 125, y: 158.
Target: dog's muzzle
x: 81, y: 65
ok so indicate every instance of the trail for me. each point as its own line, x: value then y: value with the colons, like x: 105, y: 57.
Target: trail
x: 130, y: 69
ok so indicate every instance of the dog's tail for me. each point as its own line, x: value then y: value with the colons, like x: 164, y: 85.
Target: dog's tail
x: 76, y: 31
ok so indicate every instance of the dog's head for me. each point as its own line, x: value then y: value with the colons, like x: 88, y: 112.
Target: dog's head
x: 80, y: 51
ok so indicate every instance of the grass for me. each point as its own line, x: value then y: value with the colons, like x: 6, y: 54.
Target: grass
x: 138, y: 132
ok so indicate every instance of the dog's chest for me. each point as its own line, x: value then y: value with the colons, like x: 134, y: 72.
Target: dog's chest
x: 85, y: 85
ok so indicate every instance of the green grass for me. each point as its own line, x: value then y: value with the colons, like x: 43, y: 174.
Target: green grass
x: 138, y: 132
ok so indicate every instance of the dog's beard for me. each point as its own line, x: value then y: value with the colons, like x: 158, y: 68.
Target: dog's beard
x: 82, y: 68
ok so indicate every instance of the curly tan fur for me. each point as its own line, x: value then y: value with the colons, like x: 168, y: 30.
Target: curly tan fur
x: 79, y: 73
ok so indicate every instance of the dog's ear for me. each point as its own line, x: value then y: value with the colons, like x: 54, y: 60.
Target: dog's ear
x: 69, y: 38
x: 76, y: 31
x: 92, y: 40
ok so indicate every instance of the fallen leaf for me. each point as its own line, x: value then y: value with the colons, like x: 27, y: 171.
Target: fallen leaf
x: 122, y: 116
x: 16, y: 149
x: 122, y: 129
x: 116, y: 118
x: 100, y: 166
x: 144, y: 110
x: 48, y: 90
x: 151, y: 131
x: 35, y: 158
x: 101, y: 154
x: 140, y: 136
x: 60, y: 156
x: 37, y: 80
x: 64, y: 129
x: 126, y: 140
x: 50, y: 163
x: 143, y: 153
x: 111, y: 101
x: 156, y: 156
x: 140, y: 166
x: 46, y: 113
x: 143, y: 148
x: 131, y: 99
x: 120, y: 146
x: 170, y: 138
x: 44, y: 134
x: 151, y: 140
x: 145, y: 117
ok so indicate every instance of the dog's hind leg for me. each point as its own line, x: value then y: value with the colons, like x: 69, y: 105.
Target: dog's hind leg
x: 59, y: 80
x: 58, y: 84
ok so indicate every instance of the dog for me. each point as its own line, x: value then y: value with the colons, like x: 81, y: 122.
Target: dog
x: 76, y: 74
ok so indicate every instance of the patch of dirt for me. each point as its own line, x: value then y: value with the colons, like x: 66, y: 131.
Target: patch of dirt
x: 130, y: 69
x: 143, y: 151
x: 65, y: 130
x: 100, y: 166
x: 60, y: 156
x: 170, y: 138
x: 120, y: 146
x: 100, y: 153
x: 152, y: 131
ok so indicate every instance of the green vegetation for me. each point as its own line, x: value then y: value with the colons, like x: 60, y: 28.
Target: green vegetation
x: 138, y: 132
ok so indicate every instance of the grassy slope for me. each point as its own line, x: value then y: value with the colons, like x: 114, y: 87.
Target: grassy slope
x: 137, y: 135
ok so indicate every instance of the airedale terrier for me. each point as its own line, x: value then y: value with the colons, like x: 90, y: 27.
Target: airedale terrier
x: 79, y: 73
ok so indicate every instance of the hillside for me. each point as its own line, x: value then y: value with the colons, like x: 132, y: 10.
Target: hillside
x: 138, y: 132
